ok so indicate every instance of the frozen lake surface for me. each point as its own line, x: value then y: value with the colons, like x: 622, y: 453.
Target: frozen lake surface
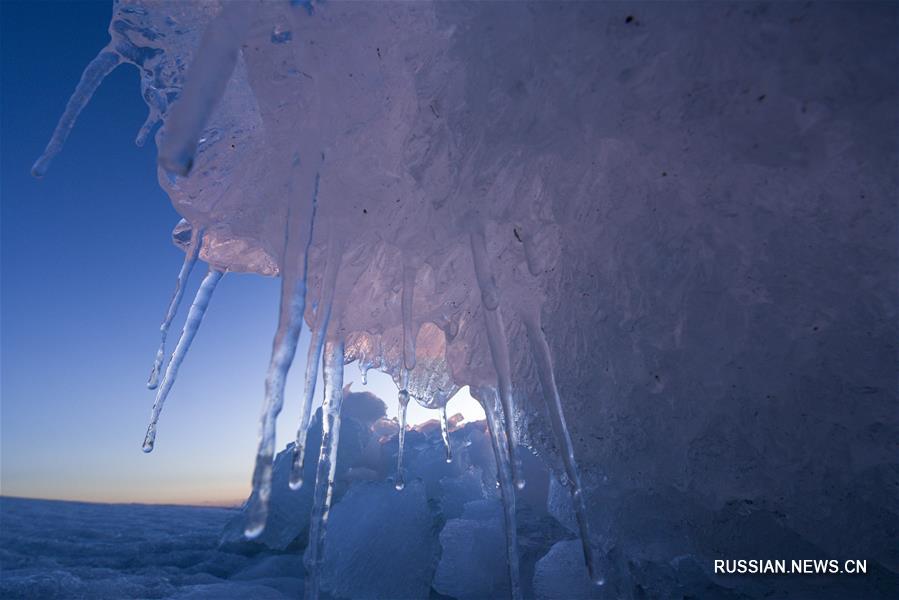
x: 51, y: 549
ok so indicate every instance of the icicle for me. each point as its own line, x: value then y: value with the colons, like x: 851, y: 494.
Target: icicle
x: 93, y: 75
x: 312, y: 361
x: 157, y: 104
x: 406, y: 307
x: 190, y: 259
x: 499, y: 347
x: 191, y: 325
x: 444, y: 432
x: 293, y: 307
x: 403, y: 398
x: 206, y: 80
x: 571, y: 478
x: 487, y: 398
x: 152, y: 119
x: 327, y: 464
x: 323, y: 315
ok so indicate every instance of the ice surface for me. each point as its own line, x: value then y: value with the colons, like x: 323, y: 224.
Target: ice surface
x: 457, y: 491
x: 562, y: 574
x: 558, y: 504
x: 470, y: 571
x: 693, y: 205
x: 54, y: 549
x: 381, y: 544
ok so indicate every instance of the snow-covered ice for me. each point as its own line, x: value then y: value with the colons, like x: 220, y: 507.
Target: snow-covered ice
x: 51, y: 549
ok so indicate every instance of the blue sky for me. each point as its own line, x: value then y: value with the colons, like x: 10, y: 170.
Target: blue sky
x: 87, y: 271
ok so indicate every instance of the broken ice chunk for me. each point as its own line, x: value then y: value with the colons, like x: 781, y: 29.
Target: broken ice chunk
x: 380, y: 544
x: 457, y: 491
x: 473, y: 563
x: 563, y: 574
x: 558, y: 504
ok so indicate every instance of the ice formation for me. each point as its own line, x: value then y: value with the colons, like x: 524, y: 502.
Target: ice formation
x: 191, y: 326
x: 676, y: 221
x: 378, y: 157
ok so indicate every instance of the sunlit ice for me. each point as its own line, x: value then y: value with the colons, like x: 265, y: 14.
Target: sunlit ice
x: 566, y: 279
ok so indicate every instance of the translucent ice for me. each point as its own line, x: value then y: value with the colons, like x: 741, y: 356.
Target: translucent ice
x: 626, y: 211
x: 444, y: 433
x: 191, y: 326
x: 489, y: 399
x: 93, y: 76
x: 353, y: 141
x: 400, y: 479
x: 289, y: 509
x: 494, y: 171
x: 282, y: 525
x: 326, y: 470
x: 190, y: 258
x: 316, y: 346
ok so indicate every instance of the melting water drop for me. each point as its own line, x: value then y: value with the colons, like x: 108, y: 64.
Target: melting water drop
x: 365, y: 365
x: 190, y: 259
x: 191, y: 326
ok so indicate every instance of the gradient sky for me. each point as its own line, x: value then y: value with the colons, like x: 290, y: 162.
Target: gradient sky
x: 88, y: 269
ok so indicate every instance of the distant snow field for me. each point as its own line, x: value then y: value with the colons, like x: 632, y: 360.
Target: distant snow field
x: 51, y: 549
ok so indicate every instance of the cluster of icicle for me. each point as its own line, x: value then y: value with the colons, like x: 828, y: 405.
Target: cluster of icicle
x: 391, y: 161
